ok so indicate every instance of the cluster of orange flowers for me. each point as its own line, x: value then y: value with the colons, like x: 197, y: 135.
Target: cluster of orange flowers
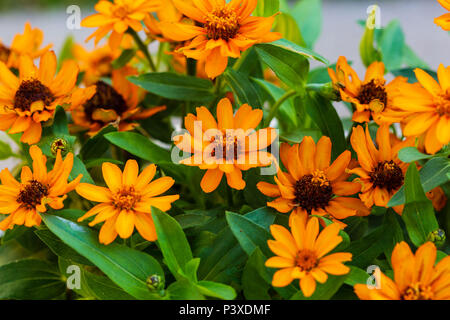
x: 307, y: 185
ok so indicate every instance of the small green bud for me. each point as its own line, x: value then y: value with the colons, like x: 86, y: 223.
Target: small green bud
x: 327, y: 90
x: 59, y: 144
x: 155, y: 283
x: 437, y: 237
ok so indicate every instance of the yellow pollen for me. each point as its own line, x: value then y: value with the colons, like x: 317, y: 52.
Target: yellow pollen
x: 126, y: 198
x: 306, y: 260
x: 222, y: 23
x: 319, y: 177
x: 417, y: 291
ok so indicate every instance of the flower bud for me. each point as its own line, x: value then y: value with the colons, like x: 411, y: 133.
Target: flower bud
x: 327, y: 90
x: 59, y: 144
x: 437, y: 237
x: 155, y: 283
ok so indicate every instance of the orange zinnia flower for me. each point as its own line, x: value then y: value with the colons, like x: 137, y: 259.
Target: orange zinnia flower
x: 118, y: 17
x: 33, y: 97
x: 29, y: 43
x: 312, y: 186
x: 381, y: 173
x: 437, y: 198
x: 370, y: 97
x: 415, y: 276
x: 226, y: 146
x: 127, y: 201
x: 116, y: 103
x: 424, y: 109
x: 303, y: 254
x: 23, y: 201
x: 223, y: 30
x: 444, y: 20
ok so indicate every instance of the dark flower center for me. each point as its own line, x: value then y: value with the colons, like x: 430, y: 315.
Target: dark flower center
x: 4, y: 53
x: 387, y: 175
x: 222, y: 23
x: 374, y: 95
x: 306, y: 260
x: 417, y: 292
x: 230, y: 147
x: 106, y: 97
x: 31, y: 91
x: 313, y: 191
x: 32, y: 194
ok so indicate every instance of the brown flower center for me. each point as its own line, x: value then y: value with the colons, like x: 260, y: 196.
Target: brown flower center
x: 374, y: 95
x: 417, y: 291
x: 126, y: 198
x: 32, y: 194
x: 306, y: 260
x: 313, y: 191
x: 231, y: 147
x: 31, y: 91
x: 222, y: 23
x: 387, y: 175
x: 443, y: 104
x: 106, y: 97
x: 4, y: 53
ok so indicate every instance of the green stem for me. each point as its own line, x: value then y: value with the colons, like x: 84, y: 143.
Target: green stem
x: 143, y: 48
x: 276, y: 106
x: 237, y: 65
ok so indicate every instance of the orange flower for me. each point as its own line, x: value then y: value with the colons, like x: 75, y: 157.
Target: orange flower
x: 444, y: 20
x: 126, y: 202
x: 415, y: 276
x: 223, y: 30
x: 116, y: 103
x: 370, y: 97
x: 303, y: 254
x: 226, y: 146
x: 381, y: 173
x: 312, y: 186
x: 118, y: 17
x: 96, y: 63
x: 424, y: 109
x: 29, y: 43
x: 23, y: 201
x: 33, y: 97
x: 437, y: 197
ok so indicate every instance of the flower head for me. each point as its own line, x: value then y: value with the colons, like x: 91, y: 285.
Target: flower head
x: 303, y: 254
x: 444, y: 20
x: 312, y: 186
x: 23, y: 201
x: 32, y: 98
x: 226, y: 146
x: 126, y: 202
x: 424, y: 109
x: 222, y: 30
x: 370, y: 97
x: 416, y: 277
x: 29, y: 43
x: 116, y: 17
x: 381, y: 172
x: 116, y: 103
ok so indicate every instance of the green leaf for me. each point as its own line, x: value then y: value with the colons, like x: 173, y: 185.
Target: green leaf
x: 289, y: 66
x: 411, y: 154
x: 128, y: 268
x: 104, y: 289
x: 255, y: 277
x: 172, y: 241
x: 124, y: 58
x: 308, y: 14
x: 267, y: 8
x: 248, y: 233
x: 290, y: 46
x: 96, y: 146
x: 184, y: 289
x: 326, y: 118
x: 60, y: 123
x: 243, y: 89
x: 367, y: 50
x: 434, y: 173
x: 216, y: 290
x: 175, y: 86
x: 139, y: 146
x: 80, y: 168
x: 324, y: 291
x: 287, y: 26
x: 418, y: 213
x: 66, y: 51
x: 5, y: 150
x: 189, y: 220
x: 392, y: 43
x: 30, y: 279
x: 356, y: 276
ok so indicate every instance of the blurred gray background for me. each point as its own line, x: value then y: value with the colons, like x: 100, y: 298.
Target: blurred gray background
x: 340, y: 32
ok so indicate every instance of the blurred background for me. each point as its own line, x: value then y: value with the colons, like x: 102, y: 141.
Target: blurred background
x: 336, y: 28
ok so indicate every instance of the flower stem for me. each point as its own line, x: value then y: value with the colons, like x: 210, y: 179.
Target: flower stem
x: 143, y: 48
x: 276, y: 106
